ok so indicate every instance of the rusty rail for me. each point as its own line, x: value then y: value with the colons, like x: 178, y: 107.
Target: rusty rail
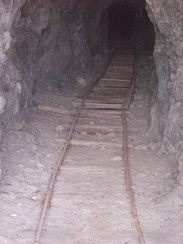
x: 127, y: 102
x: 127, y: 174
x: 128, y: 180
x: 52, y: 181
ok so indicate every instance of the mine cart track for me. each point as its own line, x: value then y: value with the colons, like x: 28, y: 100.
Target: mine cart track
x: 108, y: 97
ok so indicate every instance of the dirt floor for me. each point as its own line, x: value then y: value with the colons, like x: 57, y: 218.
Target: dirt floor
x: 30, y: 155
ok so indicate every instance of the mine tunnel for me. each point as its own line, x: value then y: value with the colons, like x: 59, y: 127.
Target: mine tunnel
x: 130, y: 21
x: 51, y: 53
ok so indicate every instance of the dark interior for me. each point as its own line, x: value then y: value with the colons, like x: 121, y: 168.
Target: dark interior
x: 130, y: 22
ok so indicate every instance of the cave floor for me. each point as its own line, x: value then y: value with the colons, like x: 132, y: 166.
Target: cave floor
x: 29, y: 157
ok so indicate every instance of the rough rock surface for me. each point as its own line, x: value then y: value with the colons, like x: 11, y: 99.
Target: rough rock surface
x: 51, y: 42
x: 167, y: 110
x: 44, y: 43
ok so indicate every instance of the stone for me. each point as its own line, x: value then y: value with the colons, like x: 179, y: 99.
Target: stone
x: 142, y: 147
x: 18, y: 88
x: 39, y: 165
x: 180, y: 169
x: 116, y: 158
x: 2, y: 104
x: 0, y: 173
x: 14, y: 215
x: 81, y: 81
x: 30, y: 138
x: 153, y: 133
x: 7, y: 40
x: 92, y: 123
x: 4, y: 240
x: 59, y: 128
x: 98, y: 59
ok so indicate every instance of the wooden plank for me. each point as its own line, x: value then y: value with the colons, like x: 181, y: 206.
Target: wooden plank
x: 130, y: 67
x: 95, y: 128
x: 109, y: 97
x: 124, y: 84
x: 106, y: 97
x: 85, y: 114
x: 90, y: 168
x: 106, y: 116
x: 100, y: 127
x: 54, y: 110
x: 95, y: 144
x: 118, y: 76
x: 127, y: 61
x: 113, y: 65
x: 124, y: 72
x: 119, y: 71
x: 102, y: 100
x: 115, y: 79
x: 101, y: 111
x: 85, y: 143
x: 125, y: 54
x: 122, y: 57
x: 106, y: 88
x: 121, y: 63
x: 108, y: 93
x: 99, y: 105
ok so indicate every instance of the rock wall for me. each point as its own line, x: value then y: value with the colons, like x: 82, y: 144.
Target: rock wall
x: 167, y: 110
x: 45, y: 42
x: 51, y: 42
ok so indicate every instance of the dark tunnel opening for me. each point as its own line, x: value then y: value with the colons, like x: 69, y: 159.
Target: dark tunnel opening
x: 130, y: 22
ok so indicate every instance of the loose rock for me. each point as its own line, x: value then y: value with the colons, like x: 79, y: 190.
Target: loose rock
x: 116, y: 158
x: 59, y: 128
x: 2, y: 104
x: 81, y: 81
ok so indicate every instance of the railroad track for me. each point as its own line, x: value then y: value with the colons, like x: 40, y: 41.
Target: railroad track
x: 90, y: 198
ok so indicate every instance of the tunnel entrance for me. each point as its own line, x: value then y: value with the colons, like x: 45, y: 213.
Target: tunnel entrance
x: 50, y: 52
x: 129, y: 21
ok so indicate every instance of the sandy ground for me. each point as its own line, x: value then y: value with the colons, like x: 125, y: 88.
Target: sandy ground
x: 30, y: 155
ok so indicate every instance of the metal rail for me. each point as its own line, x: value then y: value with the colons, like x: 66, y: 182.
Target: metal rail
x: 127, y: 174
x: 52, y: 181
x: 128, y: 180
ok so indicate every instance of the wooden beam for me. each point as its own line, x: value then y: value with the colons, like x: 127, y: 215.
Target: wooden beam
x: 95, y: 105
x: 109, y: 88
x: 95, y: 128
x: 115, y: 79
x: 54, y: 110
x: 102, y: 100
x: 86, y: 143
x: 124, y: 84
x: 101, y: 111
